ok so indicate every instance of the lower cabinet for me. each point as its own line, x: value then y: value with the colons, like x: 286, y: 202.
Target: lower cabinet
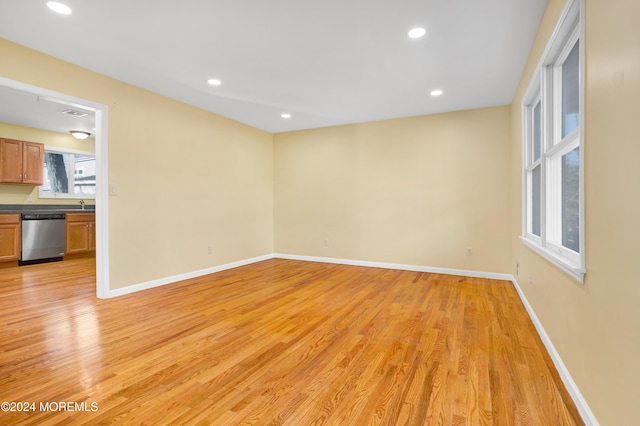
x: 9, y: 237
x: 81, y: 233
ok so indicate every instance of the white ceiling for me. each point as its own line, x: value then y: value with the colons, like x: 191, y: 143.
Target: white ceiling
x: 26, y: 109
x: 326, y: 62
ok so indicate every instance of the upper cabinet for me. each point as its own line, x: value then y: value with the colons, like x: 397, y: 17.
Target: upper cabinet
x: 21, y: 162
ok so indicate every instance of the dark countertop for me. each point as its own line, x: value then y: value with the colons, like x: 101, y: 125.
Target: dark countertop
x: 45, y: 208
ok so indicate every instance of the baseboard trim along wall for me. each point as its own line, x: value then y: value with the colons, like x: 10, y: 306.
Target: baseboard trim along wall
x: 572, y: 388
x: 581, y: 404
x: 400, y: 266
x: 181, y: 277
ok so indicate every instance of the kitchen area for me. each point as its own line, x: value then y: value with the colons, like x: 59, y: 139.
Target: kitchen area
x: 47, y: 180
x: 45, y: 233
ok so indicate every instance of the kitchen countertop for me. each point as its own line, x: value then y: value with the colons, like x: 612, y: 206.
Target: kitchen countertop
x: 45, y: 208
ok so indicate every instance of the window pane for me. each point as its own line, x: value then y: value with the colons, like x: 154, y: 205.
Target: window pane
x: 55, y: 172
x: 571, y: 91
x: 571, y: 200
x: 536, y: 131
x: 536, y: 205
x: 85, y: 175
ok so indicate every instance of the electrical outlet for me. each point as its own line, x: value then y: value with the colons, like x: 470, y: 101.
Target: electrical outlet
x: 29, y: 198
x: 210, y: 250
x: 469, y: 251
x: 326, y: 242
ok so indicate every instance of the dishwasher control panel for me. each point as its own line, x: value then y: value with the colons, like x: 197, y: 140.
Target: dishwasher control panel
x: 42, y: 216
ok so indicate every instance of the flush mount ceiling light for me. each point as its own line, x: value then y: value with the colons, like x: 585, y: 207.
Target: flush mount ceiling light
x: 285, y: 115
x: 214, y: 82
x: 59, y: 8
x: 417, y: 32
x: 436, y: 92
x: 79, y: 134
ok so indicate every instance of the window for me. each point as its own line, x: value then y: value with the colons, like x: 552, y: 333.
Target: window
x: 68, y: 174
x: 553, y: 216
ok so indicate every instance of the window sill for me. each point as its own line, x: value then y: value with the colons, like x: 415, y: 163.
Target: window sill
x: 61, y: 196
x: 577, y: 272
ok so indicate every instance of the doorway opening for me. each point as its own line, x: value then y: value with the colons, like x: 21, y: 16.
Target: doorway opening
x: 19, y: 114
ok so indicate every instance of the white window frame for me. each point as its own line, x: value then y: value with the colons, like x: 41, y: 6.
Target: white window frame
x: 546, y: 87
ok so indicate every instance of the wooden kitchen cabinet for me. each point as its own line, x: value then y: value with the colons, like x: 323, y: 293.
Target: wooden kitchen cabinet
x: 9, y: 237
x: 21, y: 162
x: 81, y: 233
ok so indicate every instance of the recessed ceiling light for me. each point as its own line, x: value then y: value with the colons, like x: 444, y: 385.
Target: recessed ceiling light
x: 436, y: 92
x: 417, y: 32
x: 59, y: 7
x: 285, y: 115
x: 214, y: 82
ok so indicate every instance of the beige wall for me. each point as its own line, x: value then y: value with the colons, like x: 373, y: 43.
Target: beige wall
x: 187, y: 179
x: 17, y: 194
x: 596, y: 326
x: 416, y: 191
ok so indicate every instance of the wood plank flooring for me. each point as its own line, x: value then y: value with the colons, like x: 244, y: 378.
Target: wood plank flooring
x: 277, y: 342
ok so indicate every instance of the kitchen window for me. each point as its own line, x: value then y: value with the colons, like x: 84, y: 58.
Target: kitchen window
x: 553, y: 176
x: 68, y: 174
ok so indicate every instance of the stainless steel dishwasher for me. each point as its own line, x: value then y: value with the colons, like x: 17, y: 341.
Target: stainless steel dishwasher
x: 43, y: 237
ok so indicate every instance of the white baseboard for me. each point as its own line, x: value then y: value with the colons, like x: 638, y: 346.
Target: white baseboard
x: 181, y: 277
x: 581, y: 404
x: 404, y: 267
x: 194, y: 274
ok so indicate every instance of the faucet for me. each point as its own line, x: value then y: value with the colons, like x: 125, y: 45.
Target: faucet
x: 81, y: 204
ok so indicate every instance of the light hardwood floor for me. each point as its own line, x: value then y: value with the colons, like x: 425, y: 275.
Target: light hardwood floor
x: 277, y: 342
